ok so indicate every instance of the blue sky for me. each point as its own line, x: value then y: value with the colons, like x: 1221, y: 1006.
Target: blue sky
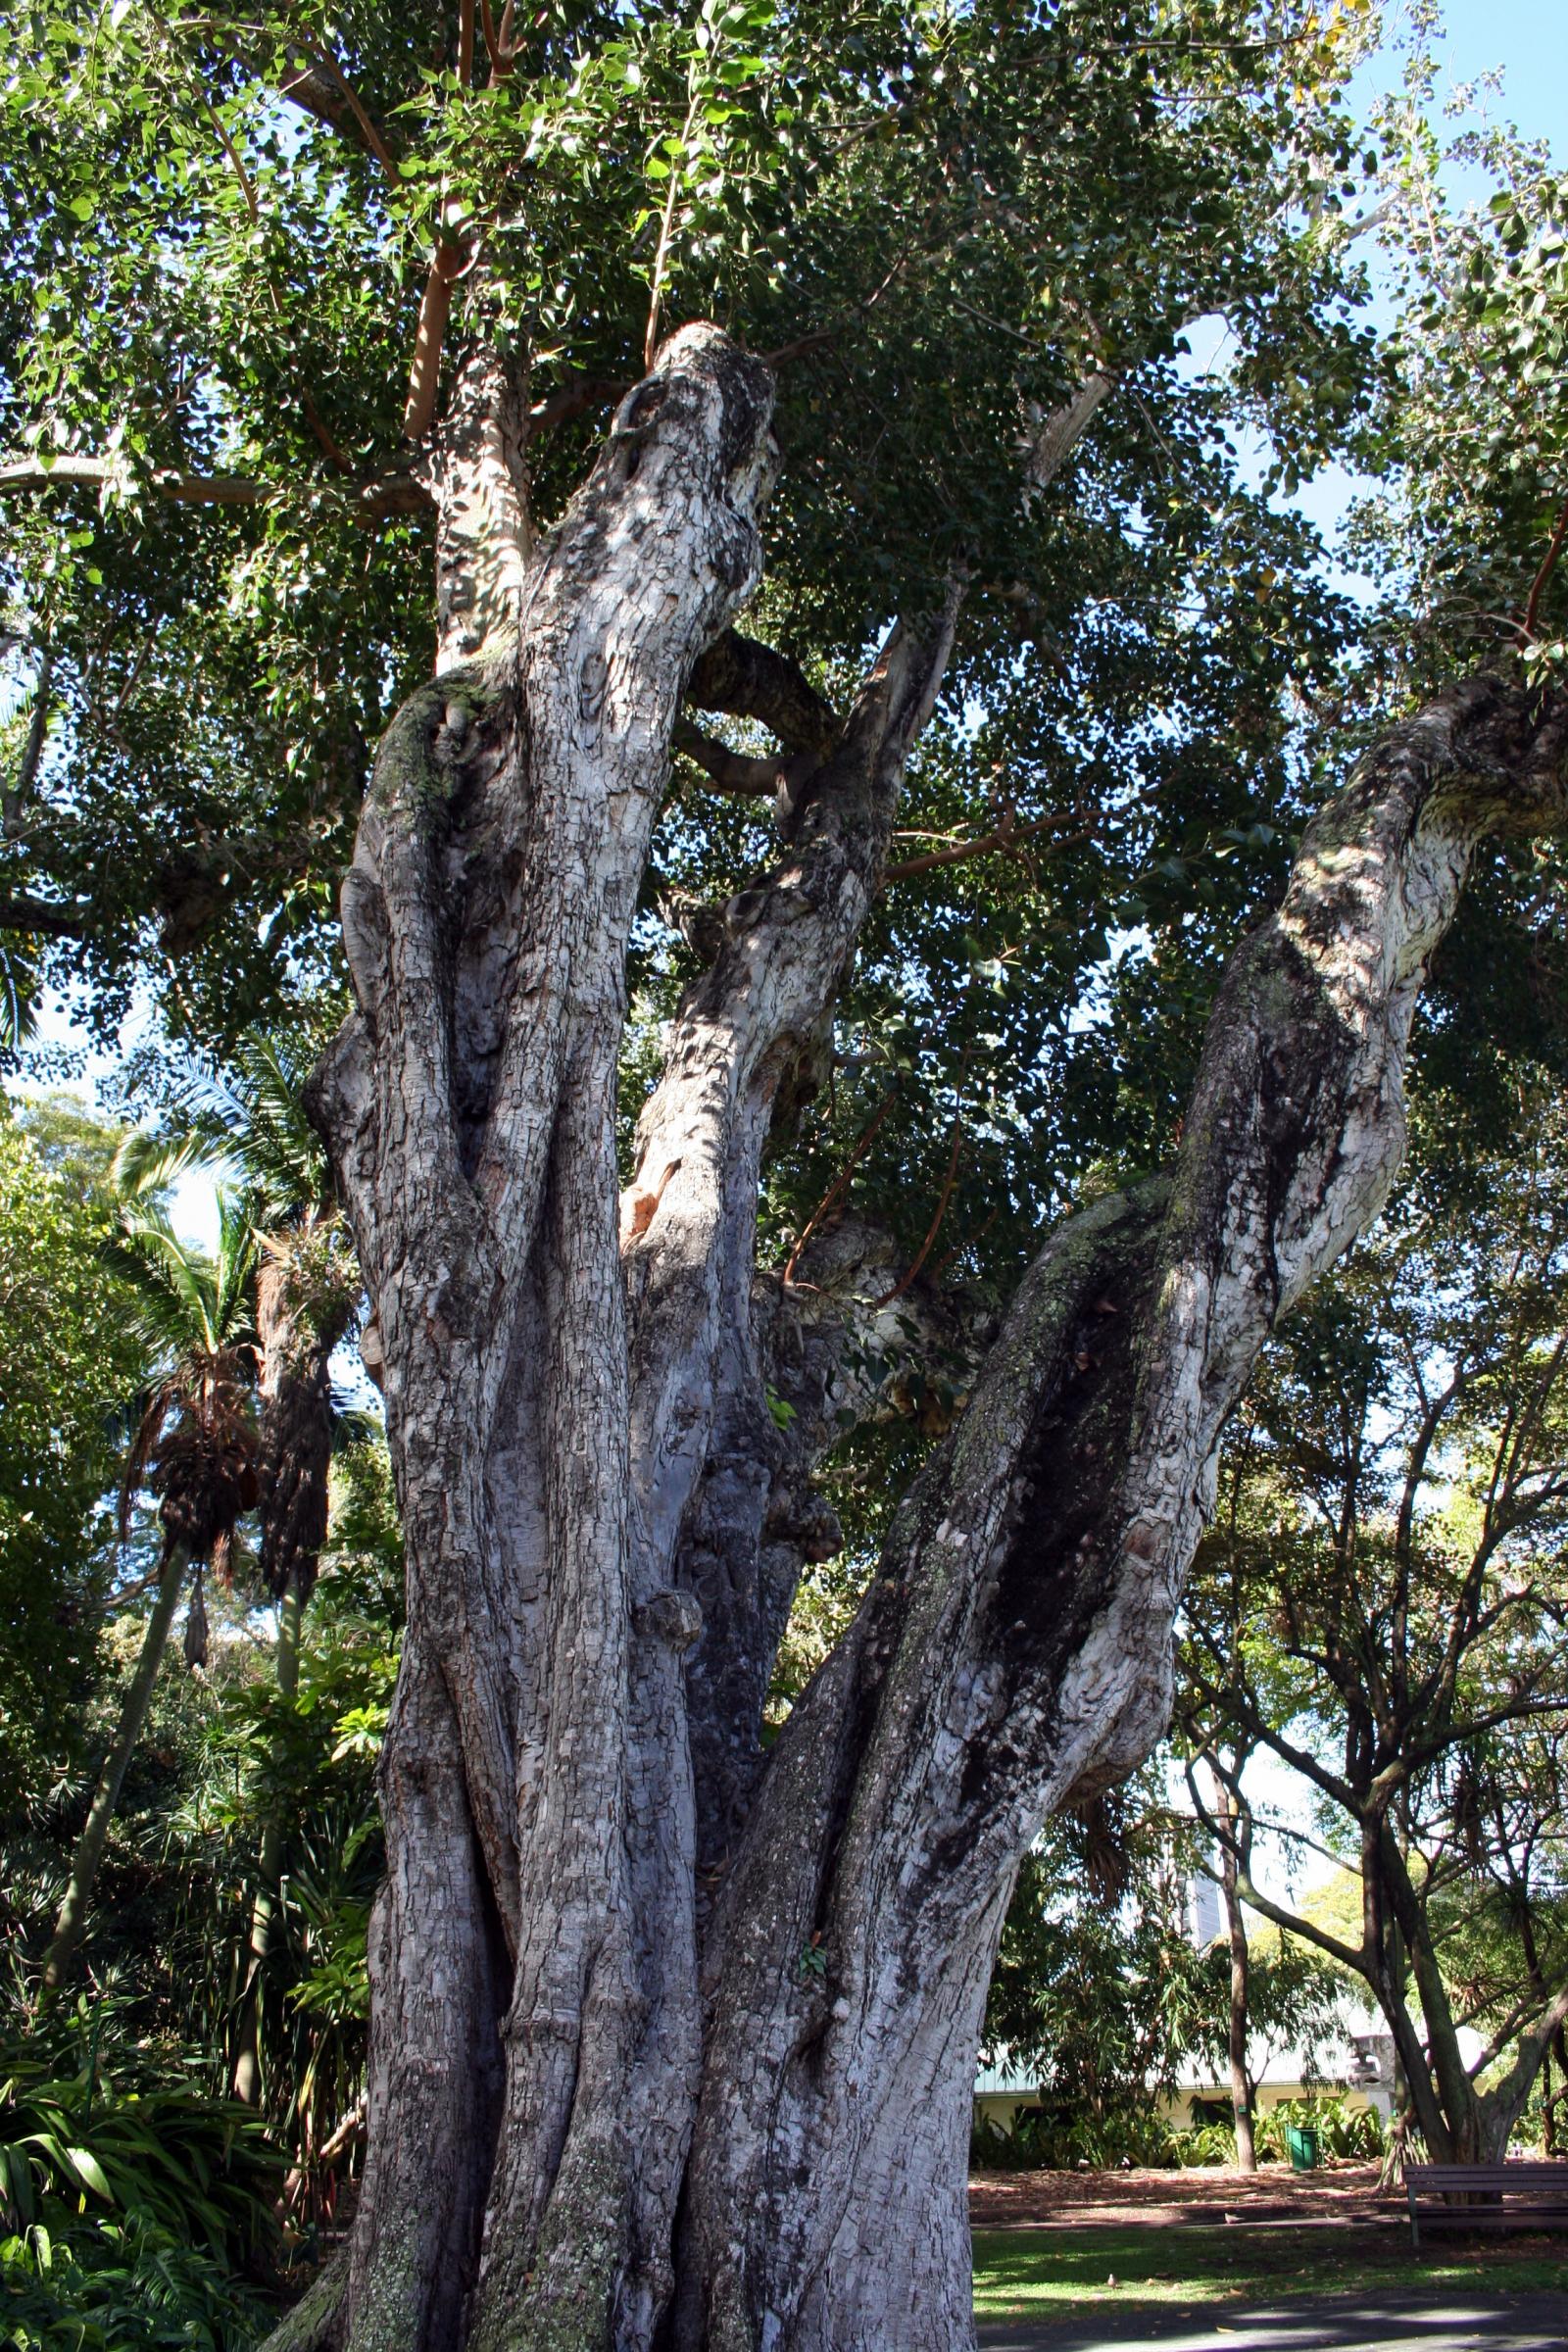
x: 1529, y: 40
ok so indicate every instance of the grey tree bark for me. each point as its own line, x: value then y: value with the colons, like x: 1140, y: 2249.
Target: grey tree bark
x: 611, y: 2101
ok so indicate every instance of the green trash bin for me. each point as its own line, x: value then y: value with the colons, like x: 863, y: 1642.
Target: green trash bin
x: 1301, y: 2140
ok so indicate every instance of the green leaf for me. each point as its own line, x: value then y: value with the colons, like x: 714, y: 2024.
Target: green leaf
x: 89, y: 2171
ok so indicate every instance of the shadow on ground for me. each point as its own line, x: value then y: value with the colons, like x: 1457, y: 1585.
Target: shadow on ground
x: 1534, y: 2323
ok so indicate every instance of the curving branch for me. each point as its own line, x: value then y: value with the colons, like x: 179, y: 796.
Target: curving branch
x: 748, y: 680
x: 731, y: 772
x: 1008, y: 839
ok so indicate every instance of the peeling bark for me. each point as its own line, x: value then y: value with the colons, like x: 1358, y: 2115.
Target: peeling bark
x: 672, y: 2046
x: 469, y: 1104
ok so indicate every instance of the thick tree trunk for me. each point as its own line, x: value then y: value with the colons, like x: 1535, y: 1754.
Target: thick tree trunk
x: 1015, y: 1648
x: 670, y: 2046
x: 71, y: 1919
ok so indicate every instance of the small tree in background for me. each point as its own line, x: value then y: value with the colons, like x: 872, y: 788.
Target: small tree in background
x: 71, y: 1357
x: 1380, y: 1607
x: 194, y: 1447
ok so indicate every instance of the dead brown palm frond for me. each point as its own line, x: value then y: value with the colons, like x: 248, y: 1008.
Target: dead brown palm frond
x: 161, y: 1401
x: 194, y: 1444
x: 1107, y: 1861
x: 202, y: 1464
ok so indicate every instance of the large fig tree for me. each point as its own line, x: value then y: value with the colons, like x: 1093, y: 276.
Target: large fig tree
x: 597, y: 320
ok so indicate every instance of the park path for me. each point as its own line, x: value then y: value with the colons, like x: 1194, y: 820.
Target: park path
x: 1533, y: 2322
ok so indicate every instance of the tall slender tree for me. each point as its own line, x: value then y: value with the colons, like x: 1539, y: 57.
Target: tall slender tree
x: 1381, y: 1610
x: 249, y: 1118
x: 194, y: 1445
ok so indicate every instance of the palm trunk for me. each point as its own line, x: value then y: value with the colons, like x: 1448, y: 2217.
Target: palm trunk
x: 297, y: 1337
x: 71, y: 1918
x: 672, y: 2044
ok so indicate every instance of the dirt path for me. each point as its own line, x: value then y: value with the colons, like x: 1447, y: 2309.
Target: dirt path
x: 1337, y: 2194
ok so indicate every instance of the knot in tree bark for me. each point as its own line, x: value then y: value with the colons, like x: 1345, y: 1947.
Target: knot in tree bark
x: 672, y: 1617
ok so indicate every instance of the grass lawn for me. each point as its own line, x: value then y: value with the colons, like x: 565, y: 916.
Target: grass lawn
x: 1039, y: 2274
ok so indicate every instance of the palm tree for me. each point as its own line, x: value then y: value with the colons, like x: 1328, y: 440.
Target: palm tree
x: 251, y: 1118
x: 195, y: 1448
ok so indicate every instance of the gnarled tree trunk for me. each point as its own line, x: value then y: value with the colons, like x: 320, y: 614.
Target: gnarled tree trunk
x: 670, y: 2046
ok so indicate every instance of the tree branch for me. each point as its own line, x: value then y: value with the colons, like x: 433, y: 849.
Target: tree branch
x: 749, y: 680
x: 386, y: 494
x: 233, y: 155
x: 1512, y: 2092
x: 731, y: 772
x: 1060, y: 433
x: 841, y: 1182
x: 913, y: 1270
x: 1007, y: 839
x: 1542, y: 577
x: 302, y: 91
x: 584, y: 392
x: 1014, y: 1652
x: 25, y: 915
x: 429, y: 335
x: 322, y: 90
x: 326, y: 439
x: 501, y: 58
x: 1290, y: 1922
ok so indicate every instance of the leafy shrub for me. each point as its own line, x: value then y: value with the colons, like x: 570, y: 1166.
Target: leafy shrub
x: 1206, y: 2143
x: 1048, y: 2140
x: 74, y: 2148
x: 121, y: 2286
x: 1343, y: 2132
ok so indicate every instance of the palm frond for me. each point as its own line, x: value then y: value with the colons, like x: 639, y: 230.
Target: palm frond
x: 238, y: 1247
x: 158, y: 1404
x: 170, y: 1286
x: 254, y: 1113
x: 19, y: 983
x: 147, y: 1164
x: 181, y: 1301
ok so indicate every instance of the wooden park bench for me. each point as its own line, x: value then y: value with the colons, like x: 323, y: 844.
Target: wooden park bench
x: 1486, y: 2196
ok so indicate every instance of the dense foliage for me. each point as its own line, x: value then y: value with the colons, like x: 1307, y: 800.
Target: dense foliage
x: 68, y: 1363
